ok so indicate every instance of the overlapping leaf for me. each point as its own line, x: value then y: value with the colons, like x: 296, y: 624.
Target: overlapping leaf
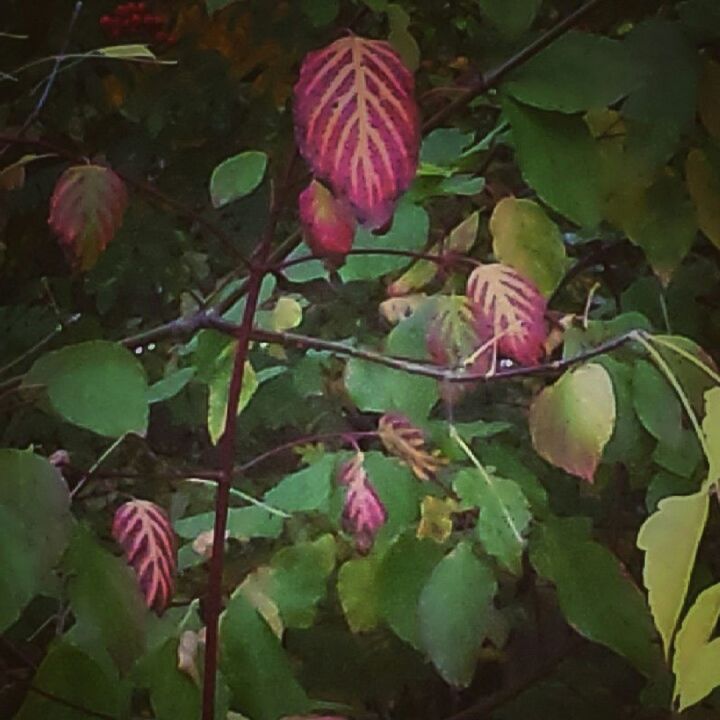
x: 328, y: 224
x: 356, y: 124
x: 86, y: 209
x: 513, y: 307
x: 363, y: 511
x: 407, y: 442
x: 144, y: 532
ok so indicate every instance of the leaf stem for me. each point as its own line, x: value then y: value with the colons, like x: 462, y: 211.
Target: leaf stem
x: 455, y: 435
x: 662, y: 365
x: 659, y: 340
x: 243, y: 496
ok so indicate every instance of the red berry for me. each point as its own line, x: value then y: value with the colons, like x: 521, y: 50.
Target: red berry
x: 161, y: 36
x: 106, y: 21
x: 140, y: 7
x: 115, y: 32
x: 136, y: 20
x: 123, y: 9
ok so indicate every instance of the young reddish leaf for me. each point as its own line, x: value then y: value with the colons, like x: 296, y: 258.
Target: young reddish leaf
x: 572, y: 420
x: 144, y: 532
x: 407, y: 442
x: 356, y: 124
x: 363, y: 511
x: 86, y: 209
x: 514, y: 309
x: 328, y: 224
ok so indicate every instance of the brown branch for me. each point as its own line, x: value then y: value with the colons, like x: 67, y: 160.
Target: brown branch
x: 493, y: 78
x: 425, y: 369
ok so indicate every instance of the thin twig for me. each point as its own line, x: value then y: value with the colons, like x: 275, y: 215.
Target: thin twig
x: 495, y: 76
x: 53, y: 74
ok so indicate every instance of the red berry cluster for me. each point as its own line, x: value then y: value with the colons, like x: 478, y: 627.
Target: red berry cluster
x: 133, y: 19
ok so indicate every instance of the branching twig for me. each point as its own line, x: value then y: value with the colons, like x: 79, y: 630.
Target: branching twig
x: 494, y: 77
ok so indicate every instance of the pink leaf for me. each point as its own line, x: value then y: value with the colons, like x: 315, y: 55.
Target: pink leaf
x: 86, y: 209
x: 328, y: 224
x: 356, y: 124
x: 144, y: 532
x: 512, y: 307
x: 363, y: 511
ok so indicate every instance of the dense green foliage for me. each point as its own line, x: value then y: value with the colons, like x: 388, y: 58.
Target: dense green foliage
x: 540, y: 542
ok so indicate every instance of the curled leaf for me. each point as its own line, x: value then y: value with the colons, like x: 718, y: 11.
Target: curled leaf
x: 356, y: 124
x: 144, y: 532
x: 436, y: 521
x: 187, y: 654
x: 363, y: 512
x: 407, y: 442
x: 86, y: 209
x: 328, y: 224
x: 514, y: 309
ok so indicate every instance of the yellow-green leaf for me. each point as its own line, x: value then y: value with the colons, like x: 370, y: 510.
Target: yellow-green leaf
x: 572, y: 420
x: 670, y: 539
x: 526, y: 239
x: 358, y: 589
x: 218, y: 392
x: 711, y: 429
x: 703, y: 184
x: 697, y: 661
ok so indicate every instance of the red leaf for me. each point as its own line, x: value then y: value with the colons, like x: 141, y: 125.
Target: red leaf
x: 513, y: 307
x: 144, y: 532
x: 363, y: 511
x: 86, y: 209
x: 328, y: 224
x: 356, y: 124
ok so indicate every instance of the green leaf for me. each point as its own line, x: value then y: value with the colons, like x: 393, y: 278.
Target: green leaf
x: 256, y: 667
x: 405, y: 568
x: 359, y: 592
x: 665, y: 102
x: 697, y: 658
x: 400, y: 37
x: 36, y: 523
x: 320, y: 12
x: 218, y: 389
x: 306, y: 490
x: 558, y: 159
x: 454, y: 611
x: 511, y: 18
x: 173, y: 693
x: 170, y: 385
x: 572, y: 420
x: 243, y: 524
x: 504, y: 514
x: 376, y: 388
x: 711, y: 430
x: 68, y: 673
x: 409, y: 231
x: 578, y: 71
x: 443, y: 147
x: 462, y: 184
x: 670, y: 539
x: 682, y: 457
x: 398, y: 490
x: 526, y: 239
x: 98, y: 385
x: 110, y: 615
x: 299, y: 579
x: 656, y: 404
x: 237, y: 177
x: 596, y: 594
x: 663, y: 224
